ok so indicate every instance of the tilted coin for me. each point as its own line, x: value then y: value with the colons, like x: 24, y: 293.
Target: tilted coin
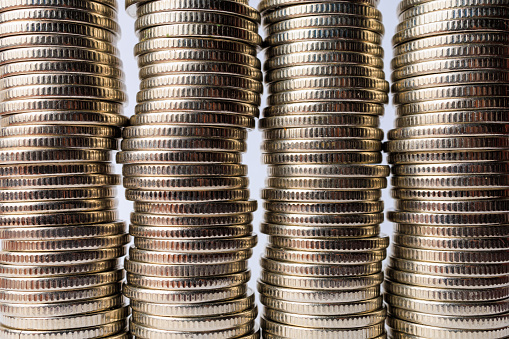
x: 449, y: 26
x: 100, y: 318
x: 196, y: 283
x: 239, y: 332
x: 83, y: 332
x: 329, y: 322
x: 197, y: 309
x: 192, y: 324
x: 449, y: 308
x: 239, y: 8
x: 204, y: 30
x: 62, y: 308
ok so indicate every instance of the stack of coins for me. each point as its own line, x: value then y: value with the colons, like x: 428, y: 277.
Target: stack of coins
x: 448, y: 276
x: 61, y: 96
x: 200, y: 88
x: 322, y: 268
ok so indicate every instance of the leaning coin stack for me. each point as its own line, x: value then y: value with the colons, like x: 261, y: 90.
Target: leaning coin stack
x: 200, y: 88
x: 322, y: 268
x: 61, y: 97
x: 448, y: 276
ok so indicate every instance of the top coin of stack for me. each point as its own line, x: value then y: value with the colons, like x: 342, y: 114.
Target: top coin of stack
x: 449, y: 272
x: 322, y: 267
x: 200, y: 90
x: 61, y: 97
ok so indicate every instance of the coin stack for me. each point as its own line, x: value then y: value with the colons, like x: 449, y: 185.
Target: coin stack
x: 61, y: 97
x: 200, y: 91
x: 322, y: 268
x: 448, y: 276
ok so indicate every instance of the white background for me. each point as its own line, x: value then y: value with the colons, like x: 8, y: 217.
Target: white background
x: 252, y: 158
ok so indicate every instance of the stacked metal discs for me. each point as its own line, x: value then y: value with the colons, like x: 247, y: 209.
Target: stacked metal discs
x: 449, y: 271
x: 322, y: 268
x: 61, y: 96
x: 200, y: 91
